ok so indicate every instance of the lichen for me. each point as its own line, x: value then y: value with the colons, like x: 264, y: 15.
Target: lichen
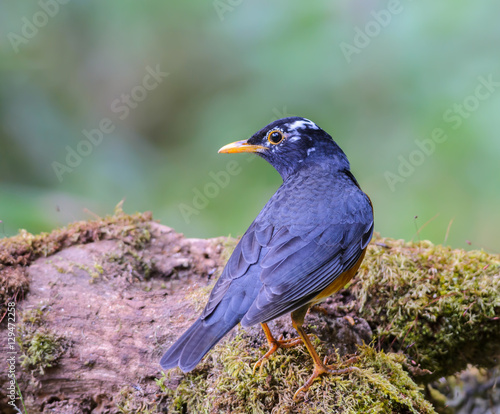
x: 439, y: 306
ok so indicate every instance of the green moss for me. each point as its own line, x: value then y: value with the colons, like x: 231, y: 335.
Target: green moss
x: 141, y: 265
x: 94, y: 275
x: 132, y: 262
x: 228, y: 245
x: 439, y: 306
x: 22, y: 249
x: 18, y: 252
x: 98, y: 268
x: 14, y: 284
x: 197, y: 296
x: 130, y: 401
x: 225, y: 383
x: 33, y: 317
x: 40, y: 348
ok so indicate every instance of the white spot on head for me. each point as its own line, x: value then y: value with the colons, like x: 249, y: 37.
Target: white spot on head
x: 302, y: 123
x: 295, y: 138
x: 312, y: 149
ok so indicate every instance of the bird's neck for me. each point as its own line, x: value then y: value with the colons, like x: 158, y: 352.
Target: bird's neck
x: 332, y: 163
x: 313, y: 168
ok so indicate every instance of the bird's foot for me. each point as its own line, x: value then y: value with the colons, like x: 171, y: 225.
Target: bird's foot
x: 276, y: 344
x: 322, y: 368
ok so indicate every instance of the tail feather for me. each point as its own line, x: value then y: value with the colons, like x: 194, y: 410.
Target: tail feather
x: 193, y: 345
x: 201, y: 337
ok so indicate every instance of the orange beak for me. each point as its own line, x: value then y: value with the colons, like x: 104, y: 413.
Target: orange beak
x: 241, y: 146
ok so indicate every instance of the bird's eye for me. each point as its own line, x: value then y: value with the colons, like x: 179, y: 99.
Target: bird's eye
x: 275, y: 137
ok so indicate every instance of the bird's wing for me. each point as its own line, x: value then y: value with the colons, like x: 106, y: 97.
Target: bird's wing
x: 299, y: 265
x: 245, y: 254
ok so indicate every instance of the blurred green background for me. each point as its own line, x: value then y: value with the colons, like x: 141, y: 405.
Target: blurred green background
x: 377, y: 76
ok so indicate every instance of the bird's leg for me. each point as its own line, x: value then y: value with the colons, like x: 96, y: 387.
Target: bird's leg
x: 275, y: 344
x: 319, y: 366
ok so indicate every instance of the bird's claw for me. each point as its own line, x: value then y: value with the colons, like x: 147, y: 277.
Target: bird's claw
x: 258, y: 364
x: 275, y: 345
x: 320, y: 369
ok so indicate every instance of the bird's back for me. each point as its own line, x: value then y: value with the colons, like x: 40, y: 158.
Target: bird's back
x: 316, y: 196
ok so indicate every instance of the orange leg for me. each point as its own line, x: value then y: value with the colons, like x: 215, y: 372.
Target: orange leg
x: 319, y: 366
x: 275, y: 344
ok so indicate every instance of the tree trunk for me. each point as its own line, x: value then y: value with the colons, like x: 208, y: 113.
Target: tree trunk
x: 97, y: 303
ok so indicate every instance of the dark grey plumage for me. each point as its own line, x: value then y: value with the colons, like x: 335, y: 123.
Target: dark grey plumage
x: 314, y: 228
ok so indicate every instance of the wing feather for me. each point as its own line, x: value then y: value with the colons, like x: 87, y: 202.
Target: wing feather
x: 304, y: 269
x: 295, y: 260
x: 245, y: 254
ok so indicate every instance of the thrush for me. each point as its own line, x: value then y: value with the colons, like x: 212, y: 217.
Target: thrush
x: 307, y: 243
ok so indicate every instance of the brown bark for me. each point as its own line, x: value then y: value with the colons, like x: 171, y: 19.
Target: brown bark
x: 114, y: 305
x: 115, y: 324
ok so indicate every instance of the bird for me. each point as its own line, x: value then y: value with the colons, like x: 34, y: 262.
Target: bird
x: 307, y: 243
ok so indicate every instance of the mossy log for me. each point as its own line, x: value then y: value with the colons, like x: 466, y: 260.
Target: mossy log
x: 97, y: 303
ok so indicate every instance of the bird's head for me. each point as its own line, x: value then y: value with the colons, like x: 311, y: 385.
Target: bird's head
x: 289, y: 144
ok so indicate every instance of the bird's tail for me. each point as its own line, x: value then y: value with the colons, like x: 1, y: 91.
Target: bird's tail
x: 192, y: 346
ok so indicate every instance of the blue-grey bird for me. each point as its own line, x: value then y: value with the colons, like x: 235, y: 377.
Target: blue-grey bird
x: 307, y: 243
